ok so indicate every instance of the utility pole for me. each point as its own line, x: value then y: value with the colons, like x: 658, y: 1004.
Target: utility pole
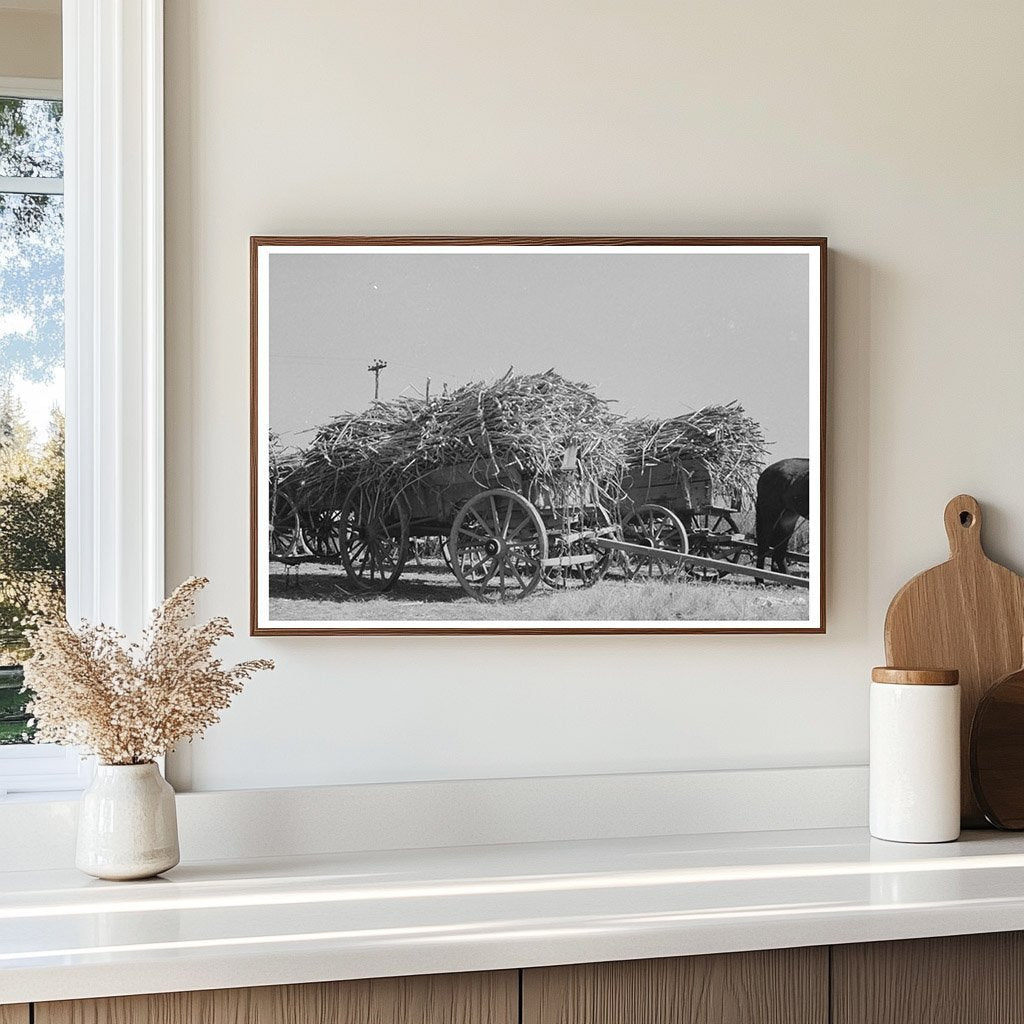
x: 428, y: 390
x: 375, y: 367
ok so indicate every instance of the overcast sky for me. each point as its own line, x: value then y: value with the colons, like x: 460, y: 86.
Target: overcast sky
x: 661, y: 334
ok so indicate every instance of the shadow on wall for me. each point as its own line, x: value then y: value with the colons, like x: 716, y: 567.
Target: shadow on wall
x: 854, y: 288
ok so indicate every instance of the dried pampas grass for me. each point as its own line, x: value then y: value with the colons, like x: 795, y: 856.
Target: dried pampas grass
x: 129, y: 703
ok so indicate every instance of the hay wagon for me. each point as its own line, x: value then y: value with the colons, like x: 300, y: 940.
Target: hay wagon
x: 679, y: 506
x: 392, y: 482
x: 290, y: 525
x: 502, y: 530
x: 300, y: 530
x: 677, y: 517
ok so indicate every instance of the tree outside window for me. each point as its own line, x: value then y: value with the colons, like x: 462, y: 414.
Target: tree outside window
x: 31, y: 386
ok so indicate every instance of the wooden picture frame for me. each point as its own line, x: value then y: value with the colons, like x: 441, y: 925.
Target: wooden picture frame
x: 336, y: 304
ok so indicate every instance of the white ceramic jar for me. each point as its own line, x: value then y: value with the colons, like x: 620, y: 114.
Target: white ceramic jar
x: 915, y: 755
x: 127, y: 823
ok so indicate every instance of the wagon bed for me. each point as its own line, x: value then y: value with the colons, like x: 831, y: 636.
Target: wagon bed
x: 503, y: 530
x: 680, y: 506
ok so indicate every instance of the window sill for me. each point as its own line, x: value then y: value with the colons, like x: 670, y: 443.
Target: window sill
x: 41, y: 797
x: 42, y: 771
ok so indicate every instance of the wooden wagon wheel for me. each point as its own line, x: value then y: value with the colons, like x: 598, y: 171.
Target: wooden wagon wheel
x: 497, y: 546
x: 287, y: 537
x: 326, y: 534
x: 374, y: 538
x: 653, y: 526
x: 570, y: 540
x: 709, y: 528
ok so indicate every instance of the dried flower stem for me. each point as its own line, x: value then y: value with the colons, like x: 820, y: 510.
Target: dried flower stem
x: 129, y: 703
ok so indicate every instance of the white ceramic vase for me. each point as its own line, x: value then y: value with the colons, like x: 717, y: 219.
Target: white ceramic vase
x: 127, y: 825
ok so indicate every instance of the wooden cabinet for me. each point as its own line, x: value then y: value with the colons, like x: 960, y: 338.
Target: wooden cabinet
x: 971, y: 979
x: 491, y: 998
x: 963, y: 979
x: 778, y: 986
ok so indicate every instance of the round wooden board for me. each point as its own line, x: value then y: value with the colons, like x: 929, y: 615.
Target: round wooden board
x: 997, y: 752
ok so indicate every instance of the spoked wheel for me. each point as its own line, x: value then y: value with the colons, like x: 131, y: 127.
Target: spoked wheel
x: 497, y: 547
x: 580, y: 563
x: 653, y: 526
x: 709, y: 532
x: 326, y: 534
x: 287, y: 537
x: 374, y: 538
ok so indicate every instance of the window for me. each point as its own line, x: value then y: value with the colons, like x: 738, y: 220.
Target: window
x: 32, y: 531
x: 31, y: 383
x: 112, y: 212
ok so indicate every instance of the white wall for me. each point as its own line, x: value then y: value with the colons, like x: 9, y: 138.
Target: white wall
x: 895, y: 129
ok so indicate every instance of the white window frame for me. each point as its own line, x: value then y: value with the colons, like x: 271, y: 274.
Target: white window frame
x: 114, y: 323
x: 37, y: 767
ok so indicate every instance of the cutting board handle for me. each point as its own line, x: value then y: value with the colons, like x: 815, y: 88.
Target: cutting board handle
x: 963, y: 527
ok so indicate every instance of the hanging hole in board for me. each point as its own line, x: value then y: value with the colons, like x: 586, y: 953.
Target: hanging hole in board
x: 966, y: 519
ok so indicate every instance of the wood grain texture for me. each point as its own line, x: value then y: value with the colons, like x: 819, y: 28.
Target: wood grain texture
x: 915, y: 676
x: 967, y: 614
x: 778, y: 986
x: 962, y: 979
x: 483, y: 998
x: 997, y: 752
x: 14, y: 1014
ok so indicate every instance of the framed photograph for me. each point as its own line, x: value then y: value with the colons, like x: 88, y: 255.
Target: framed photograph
x: 537, y: 435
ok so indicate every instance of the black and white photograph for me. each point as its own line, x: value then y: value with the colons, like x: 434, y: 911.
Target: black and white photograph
x: 537, y: 435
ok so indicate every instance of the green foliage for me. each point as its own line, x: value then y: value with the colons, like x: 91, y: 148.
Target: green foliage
x: 31, y: 524
x: 14, y: 727
x: 31, y: 138
x: 31, y: 548
x: 31, y: 347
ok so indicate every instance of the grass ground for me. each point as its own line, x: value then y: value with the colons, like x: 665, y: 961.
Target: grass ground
x: 12, y: 732
x: 12, y: 700
x: 430, y: 592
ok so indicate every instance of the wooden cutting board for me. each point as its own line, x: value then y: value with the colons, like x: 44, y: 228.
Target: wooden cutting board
x: 967, y: 614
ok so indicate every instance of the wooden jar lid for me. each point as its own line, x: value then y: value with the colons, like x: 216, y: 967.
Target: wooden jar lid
x: 916, y: 676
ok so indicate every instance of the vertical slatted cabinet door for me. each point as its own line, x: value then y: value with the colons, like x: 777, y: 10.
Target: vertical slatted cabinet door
x: 961, y: 979
x: 778, y: 986
x: 14, y: 1014
x: 480, y: 998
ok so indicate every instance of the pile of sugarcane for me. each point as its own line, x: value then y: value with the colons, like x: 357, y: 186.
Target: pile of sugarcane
x: 523, y: 422
x: 724, y: 436
x: 526, y: 422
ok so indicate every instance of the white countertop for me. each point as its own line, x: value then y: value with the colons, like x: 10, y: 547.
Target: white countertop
x: 298, y: 919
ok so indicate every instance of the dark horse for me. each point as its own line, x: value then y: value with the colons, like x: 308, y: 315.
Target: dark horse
x: 783, y: 499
